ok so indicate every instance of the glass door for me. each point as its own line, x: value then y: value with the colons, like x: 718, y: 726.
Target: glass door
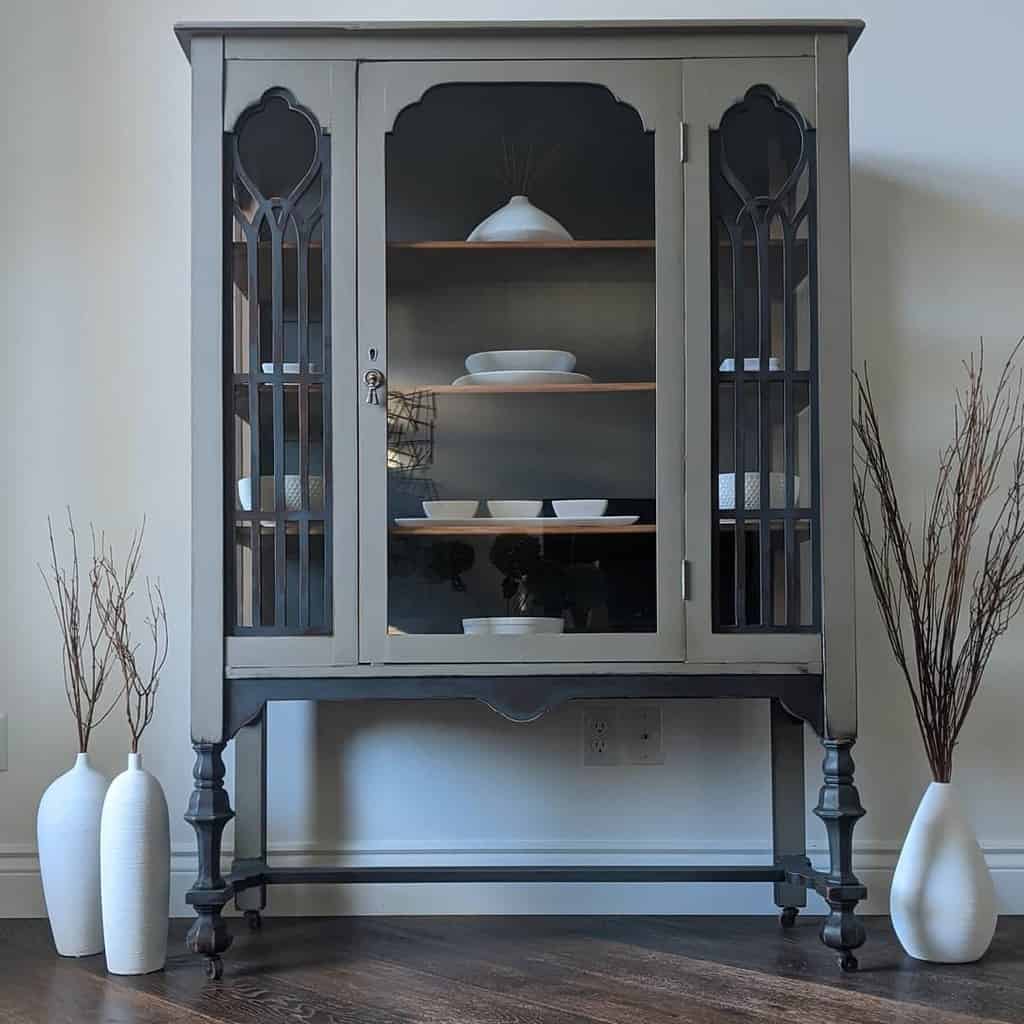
x: 521, y: 363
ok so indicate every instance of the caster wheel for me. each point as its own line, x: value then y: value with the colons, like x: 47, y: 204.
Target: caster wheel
x: 788, y: 917
x: 214, y: 968
x: 254, y: 919
x: 848, y: 962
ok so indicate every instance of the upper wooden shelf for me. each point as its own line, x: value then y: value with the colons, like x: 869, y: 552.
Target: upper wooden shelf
x: 437, y: 528
x: 539, y: 389
x: 586, y: 243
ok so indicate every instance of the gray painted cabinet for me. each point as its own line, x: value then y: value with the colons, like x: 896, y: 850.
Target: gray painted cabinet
x: 384, y: 218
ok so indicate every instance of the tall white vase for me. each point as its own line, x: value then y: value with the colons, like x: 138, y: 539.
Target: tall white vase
x: 135, y: 865
x: 68, y: 838
x: 943, y: 902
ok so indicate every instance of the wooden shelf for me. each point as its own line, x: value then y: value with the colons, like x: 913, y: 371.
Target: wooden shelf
x: 484, y: 529
x: 539, y: 389
x: 586, y: 243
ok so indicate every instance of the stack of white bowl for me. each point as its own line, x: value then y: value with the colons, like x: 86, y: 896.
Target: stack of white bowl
x: 522, y: 366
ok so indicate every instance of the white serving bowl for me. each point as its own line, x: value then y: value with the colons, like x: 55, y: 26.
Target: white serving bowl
x: 752, y: 490
x: 450, y: 509
x: 521, y: 359
x: 514, y: 509
x: 512, y: 625
x: 292, y: 493
x: 580, y: 508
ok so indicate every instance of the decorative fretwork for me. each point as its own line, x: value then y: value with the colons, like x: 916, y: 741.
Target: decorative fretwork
x: 278, y: 365
x: 764, y: 368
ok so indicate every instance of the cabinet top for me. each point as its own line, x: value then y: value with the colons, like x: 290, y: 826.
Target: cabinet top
x: 186, y: 31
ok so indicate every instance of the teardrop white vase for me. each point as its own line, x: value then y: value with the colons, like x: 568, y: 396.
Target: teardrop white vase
x: 519, y: 221
x: 135, y: 865
x: 68, y: 839
x: 943, y: 902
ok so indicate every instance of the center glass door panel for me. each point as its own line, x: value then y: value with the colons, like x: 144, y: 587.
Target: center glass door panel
x: 520, y: 431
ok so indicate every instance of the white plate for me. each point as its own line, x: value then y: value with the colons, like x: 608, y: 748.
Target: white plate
x: 521, y: 359
x: 522, y: 377
x: 512, y: 625
x: 532, y: 521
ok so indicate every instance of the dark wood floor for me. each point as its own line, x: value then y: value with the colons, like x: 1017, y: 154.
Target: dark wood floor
x: 519, y: 970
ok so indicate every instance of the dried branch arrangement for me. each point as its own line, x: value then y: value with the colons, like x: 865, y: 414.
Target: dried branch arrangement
x: 924, y: 583
x: 141, y: 680
x: 87, y: 651
x: 523, y: 163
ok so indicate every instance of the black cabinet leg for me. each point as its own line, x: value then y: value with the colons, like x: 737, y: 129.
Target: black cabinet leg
x: 209, y: 810
x: 789, y: 821
x: 840, y: 809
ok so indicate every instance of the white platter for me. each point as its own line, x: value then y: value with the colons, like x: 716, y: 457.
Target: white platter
x: 522, y: 377
x: 533, y: 359
x: 532, y: 521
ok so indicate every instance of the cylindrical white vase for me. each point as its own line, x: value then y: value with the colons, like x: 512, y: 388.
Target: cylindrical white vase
x: 135, y: 866
x: 68, y: 838
x: 943, y: 902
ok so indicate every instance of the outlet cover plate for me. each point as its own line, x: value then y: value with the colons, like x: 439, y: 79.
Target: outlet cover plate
x: 600, y: 735
x: 640, y: 733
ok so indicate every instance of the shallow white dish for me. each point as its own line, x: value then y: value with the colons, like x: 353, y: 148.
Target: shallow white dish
x: 521, y: 359
x: 512, y: 625
x: 532, y: 521
x: 752, y: 490
x: 750, y: 363
x: 513, y: 509
x: 286, y: 367
x: 450, y: 509
x: 580, y: 508
x: 522, y: 377
x: 292, y: 493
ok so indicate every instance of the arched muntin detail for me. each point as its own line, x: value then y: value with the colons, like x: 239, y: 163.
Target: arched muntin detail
x: 283, y: 239
x: 763, y: 200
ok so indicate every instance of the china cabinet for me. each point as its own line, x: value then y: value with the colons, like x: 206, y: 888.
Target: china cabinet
x: 520, y: 374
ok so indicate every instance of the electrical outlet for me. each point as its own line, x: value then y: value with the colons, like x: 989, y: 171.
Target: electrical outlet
x: 639, y: 728
x: 600, y: 735
x: 3, y: 743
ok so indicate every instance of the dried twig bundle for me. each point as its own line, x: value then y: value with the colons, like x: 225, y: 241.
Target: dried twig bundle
x: 923, y: 585
x: 141, y: 683
x: 87, y: 654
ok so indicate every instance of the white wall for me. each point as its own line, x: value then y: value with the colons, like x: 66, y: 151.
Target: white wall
x: 94, y: 187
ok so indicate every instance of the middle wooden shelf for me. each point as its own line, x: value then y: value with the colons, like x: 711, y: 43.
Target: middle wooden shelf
x: 436, y: 528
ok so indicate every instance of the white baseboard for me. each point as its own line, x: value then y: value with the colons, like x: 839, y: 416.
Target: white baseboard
x: 21, y: 892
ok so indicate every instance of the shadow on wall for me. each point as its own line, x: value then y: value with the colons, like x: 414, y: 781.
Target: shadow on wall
x: 936, y: 265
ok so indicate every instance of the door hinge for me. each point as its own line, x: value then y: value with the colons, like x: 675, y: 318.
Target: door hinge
x: 682, y: 579
x: 682, y: 142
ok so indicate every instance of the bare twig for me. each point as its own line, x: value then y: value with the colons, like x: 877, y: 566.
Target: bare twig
x: 923, y: 587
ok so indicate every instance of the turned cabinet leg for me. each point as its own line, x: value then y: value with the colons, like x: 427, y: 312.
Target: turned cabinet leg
x: 251, y: 812
x: 208, y: 812
x: 840, y: 809
x: 789, y: 824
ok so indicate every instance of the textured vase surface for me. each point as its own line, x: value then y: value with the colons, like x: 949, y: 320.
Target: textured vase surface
x: 519, y: 221
x: 135, y: 866
x: 68, y: 838
x: 943, y: 902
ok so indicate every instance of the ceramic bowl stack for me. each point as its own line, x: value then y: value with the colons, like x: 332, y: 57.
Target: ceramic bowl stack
x: 521, y: 366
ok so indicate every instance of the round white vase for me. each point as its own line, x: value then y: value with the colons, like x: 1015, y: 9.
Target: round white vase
x: 943, y: 902
x: 519, y: 221
x: 135, y: 866
x: 68, y: 838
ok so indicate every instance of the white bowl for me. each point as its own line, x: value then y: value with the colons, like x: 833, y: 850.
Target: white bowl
x: 752, y: 490
x: 285, y: 367
x: 514, y: 509
x: 450, y: 509
x: 581, y: 508
x: 292, y: 493
x: 521, y: 359
x: 512, y: 625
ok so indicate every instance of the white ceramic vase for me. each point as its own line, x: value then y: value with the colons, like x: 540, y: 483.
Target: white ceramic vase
x: 943, y: 902
x: 519, y: 221
x: 68, y: 838
x: 135, y: 865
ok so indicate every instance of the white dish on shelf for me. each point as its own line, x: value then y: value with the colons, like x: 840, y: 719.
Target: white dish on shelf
x: 521, y: 359
x: 752, y: 490
x: 286, y: 367
x: 513, y: 509
x: 292, y: 493
x: 450, y: 509
x: 580, y: 508
x: 519, y: 521
x: 750, y: 364
x: 522, y: 377
x: 512, y: 625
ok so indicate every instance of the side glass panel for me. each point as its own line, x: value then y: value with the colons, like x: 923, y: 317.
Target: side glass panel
x: 521, y: 391
x: 764, y: 368
x: 277, y: 362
